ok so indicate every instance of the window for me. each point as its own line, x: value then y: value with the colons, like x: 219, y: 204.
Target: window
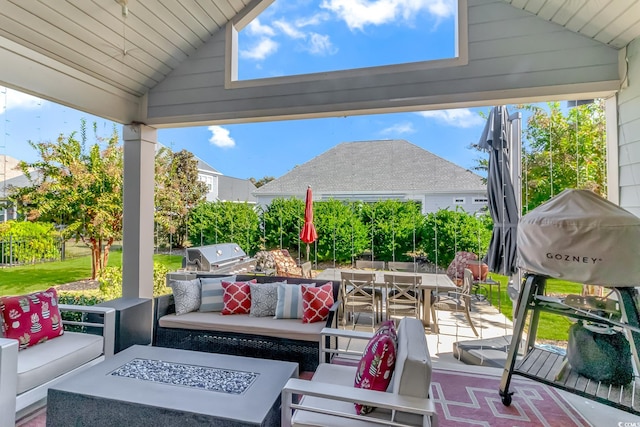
x: 480, y: 200
x: 299, y: 38
x: 208, y: 180
x: 458, y: 200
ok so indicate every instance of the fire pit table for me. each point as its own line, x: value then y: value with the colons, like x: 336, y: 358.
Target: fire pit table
x: 153, y: 386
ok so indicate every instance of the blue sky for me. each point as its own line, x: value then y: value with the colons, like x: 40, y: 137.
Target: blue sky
x: 294, y: 38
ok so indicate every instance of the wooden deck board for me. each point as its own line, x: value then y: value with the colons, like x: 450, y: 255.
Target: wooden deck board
x: 543, y: 366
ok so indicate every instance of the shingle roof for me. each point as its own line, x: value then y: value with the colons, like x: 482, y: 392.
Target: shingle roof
x: 372, y: 166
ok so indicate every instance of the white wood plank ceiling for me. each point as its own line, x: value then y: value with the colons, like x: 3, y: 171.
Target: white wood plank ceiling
x: 613, y: 22
x: 131, y: 49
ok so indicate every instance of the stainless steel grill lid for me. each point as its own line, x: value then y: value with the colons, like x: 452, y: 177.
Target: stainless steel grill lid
x: 580, y: 237
x: 219, y: 258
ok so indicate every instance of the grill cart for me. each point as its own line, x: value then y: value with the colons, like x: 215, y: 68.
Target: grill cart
x: 222, y: 258
x: 579, y: 237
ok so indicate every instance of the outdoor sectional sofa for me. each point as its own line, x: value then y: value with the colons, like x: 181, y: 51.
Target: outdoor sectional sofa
x: 241, y: 334
x: 26, y: 375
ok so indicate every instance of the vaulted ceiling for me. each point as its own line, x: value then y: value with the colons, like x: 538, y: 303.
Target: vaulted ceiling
x: 124, y: 48
x: 613, y: 22
x: 131, y: 45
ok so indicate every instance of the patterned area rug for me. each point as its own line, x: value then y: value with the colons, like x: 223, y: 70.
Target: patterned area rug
x: 465, y: 399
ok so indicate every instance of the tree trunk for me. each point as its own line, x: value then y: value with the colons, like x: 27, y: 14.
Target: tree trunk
x: 105, y: 254
x: 95, y: 259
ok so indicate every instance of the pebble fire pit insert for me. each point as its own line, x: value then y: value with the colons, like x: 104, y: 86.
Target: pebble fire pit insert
x: 178, y: 374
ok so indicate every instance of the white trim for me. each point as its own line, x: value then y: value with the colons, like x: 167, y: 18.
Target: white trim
x: 612, y: 144
x: 461, y: 58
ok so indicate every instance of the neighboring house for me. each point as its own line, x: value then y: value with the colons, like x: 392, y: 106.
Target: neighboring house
x: 224, y: 188
x: 7, y: 210
x: 379, y: 170
x: 10, y: 176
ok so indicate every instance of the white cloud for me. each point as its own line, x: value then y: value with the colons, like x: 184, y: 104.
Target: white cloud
x: 260, y: 50
x: 257, y: 29
x: 18, y: 100
x: 289, y: 29
x: 315, y: 19
x: 463, y: 117
x: 357, y: 14
x: 399, y: 129
x: 321, y: 45
x: 220, y: 137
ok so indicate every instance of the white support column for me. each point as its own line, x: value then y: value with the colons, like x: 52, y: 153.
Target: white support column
x: 613, y: 158
x: 139, y: 184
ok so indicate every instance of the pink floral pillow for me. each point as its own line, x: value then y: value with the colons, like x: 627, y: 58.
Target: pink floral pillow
x: 455, y: 271
x: 236, y: 297
x: 31, y: 319
x: 316, y: 302
x: 376, y: 366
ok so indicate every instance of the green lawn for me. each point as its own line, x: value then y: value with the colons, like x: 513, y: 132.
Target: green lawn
x: 551, y: 327
x: 30, y: 278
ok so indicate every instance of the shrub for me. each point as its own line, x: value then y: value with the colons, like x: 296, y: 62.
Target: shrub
x: 446, y: 232
x: 341, y: 234
x: 220, y: 222
x: 110, y: 282
x: 28, y: 242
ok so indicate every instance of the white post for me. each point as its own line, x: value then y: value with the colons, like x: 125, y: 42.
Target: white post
x: 515, y: 160
x: 139, y: 184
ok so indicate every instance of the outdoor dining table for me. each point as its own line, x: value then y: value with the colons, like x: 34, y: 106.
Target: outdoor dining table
x: 430, y: 282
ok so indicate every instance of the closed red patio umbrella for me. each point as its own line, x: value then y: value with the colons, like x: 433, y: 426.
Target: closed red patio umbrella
x: 308, y: 233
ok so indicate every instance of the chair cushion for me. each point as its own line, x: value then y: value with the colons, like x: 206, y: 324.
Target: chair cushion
x: 42, y: 363
x: 186, y: 294
x: 289, y: 304
x: 31, y: 319
x: 316, y: 302
x: 377, y: 363
x: 211, y: 293
x: 412, y: 376
x: 237, y: 297
x: 456, y: 269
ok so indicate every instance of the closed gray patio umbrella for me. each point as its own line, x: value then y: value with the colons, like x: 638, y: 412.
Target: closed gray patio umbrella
x: 496, y: 139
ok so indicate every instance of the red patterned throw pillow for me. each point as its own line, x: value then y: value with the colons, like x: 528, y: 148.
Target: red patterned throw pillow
x: 236, y: 297
x: 316, y: 302
x: 31, y: 319
x: 377, y: 364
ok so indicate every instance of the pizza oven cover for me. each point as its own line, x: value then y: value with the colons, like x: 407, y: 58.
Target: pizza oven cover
x: 580, y: 237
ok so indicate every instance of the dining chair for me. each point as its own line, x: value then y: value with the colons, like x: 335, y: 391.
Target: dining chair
x: 403, y: 295
x: 371, y: 265
x: 359, y: 295
x: 455, y: 301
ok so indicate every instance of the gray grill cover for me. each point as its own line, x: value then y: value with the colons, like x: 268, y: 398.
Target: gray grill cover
x: 580, y: 237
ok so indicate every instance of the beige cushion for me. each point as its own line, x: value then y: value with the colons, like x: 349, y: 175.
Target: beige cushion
x: 412, y: 376
x: 244, y: 323
x: 44, y: 362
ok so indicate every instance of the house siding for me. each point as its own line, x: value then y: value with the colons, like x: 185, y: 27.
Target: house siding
x: 512, y: 56
x: 629, y: 134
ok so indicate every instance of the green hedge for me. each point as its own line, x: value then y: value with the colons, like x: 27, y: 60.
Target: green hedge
x: 389, y: 230
x: 23, y: 242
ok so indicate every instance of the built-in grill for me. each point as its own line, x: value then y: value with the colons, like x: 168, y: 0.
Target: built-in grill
x: 221, y: 258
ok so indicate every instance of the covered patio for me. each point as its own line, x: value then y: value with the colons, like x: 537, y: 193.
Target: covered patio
x: 184, y: 74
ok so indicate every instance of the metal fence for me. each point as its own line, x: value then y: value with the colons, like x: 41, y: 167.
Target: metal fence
x: 29, y: 251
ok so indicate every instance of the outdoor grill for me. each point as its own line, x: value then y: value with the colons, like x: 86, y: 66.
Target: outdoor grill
x: 221, y: 258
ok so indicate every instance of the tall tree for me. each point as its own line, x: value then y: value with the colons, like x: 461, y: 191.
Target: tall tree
x: 262, y: 181
x: 78, y: 188
x: 178, y: 191
x: 564, y: 149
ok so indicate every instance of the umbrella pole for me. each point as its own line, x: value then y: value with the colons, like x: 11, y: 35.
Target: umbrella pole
x: 307, y: 252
